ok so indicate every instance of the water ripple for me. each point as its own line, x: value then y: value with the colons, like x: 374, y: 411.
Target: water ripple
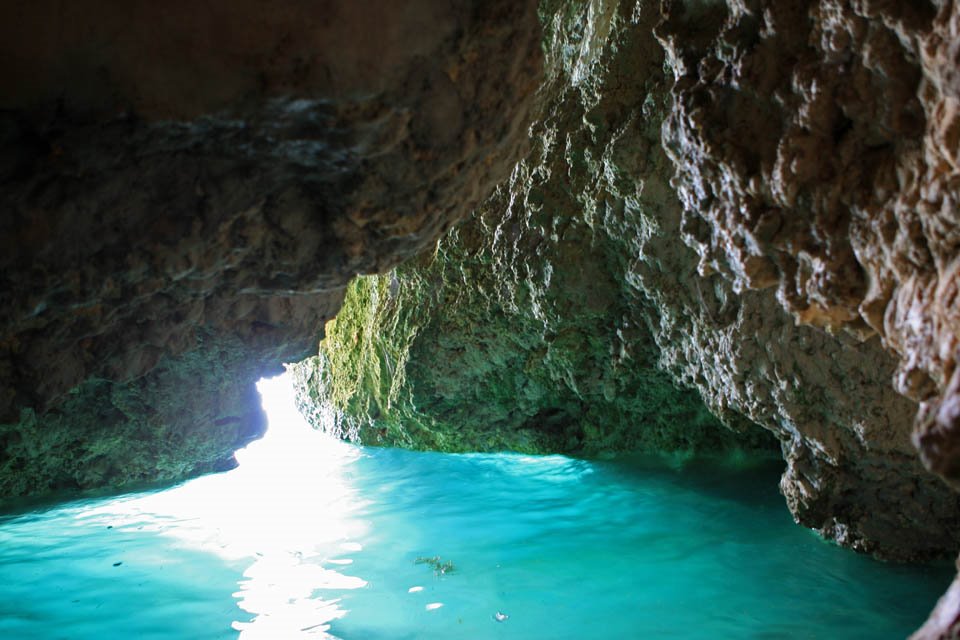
x: 311, y: 538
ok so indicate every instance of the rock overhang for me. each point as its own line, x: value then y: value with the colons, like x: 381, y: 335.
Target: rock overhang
x: 187, y: 190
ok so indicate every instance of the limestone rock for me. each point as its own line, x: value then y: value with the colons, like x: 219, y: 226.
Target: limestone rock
x: 572, y: 297
x: 187, y: 189
x: 477, y: 349
x: 816, y: 146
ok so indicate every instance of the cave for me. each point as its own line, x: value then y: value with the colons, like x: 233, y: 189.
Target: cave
x: 705, y: 250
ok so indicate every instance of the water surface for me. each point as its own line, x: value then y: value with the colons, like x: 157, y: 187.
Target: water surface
x: 312, y: 538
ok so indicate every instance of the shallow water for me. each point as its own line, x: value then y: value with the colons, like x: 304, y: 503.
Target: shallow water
x: 312, y: 538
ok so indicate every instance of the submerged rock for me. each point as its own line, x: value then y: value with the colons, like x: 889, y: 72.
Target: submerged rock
x: 563, y: 314
x: 187, y: 191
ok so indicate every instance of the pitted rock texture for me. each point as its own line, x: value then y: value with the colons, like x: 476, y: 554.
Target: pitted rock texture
x: 188, y: 189
x: 470, y: 351
x: 817, y: 148
x: 571, y: 290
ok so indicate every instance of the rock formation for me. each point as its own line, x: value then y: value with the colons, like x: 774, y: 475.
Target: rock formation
x: 814, y: 158
x: 734, y: 222
x: 620, y: 257
x: 757, y: 199
x: 469, y: 350
x: 188, y: 189
x: 817, y: 152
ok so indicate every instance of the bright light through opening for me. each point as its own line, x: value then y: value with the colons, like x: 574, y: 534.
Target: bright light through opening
x: 285, y: 513
x: 290, y: 445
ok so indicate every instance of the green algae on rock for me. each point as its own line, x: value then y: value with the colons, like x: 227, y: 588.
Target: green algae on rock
x: 417, y: 358
x: 159, y: 429
x: 563, y: 312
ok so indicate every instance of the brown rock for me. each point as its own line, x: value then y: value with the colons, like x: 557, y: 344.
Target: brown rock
x: 585, y: 240
x: 185, y: 184
x: 841, y: 117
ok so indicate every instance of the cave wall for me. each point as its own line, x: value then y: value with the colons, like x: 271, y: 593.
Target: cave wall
x: 187, y: 189
x: 817, y: 153
x: 476, y: 348
x: 561, y: 314
x: 731, y: 218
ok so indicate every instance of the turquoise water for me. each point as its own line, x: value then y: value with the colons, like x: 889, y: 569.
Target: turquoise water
x: 312, y: 538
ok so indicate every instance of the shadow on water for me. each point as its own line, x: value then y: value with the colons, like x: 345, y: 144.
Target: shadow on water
x: 750, y: 481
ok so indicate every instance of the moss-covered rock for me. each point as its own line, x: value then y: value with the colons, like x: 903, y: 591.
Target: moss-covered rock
x: 161, y: 428
x: 445, y: 355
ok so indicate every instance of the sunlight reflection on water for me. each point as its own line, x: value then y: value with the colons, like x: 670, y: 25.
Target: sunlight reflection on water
x: 314, y: 538
x: 287, y: 507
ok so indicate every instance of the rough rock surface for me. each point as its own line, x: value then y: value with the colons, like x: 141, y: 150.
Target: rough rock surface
x: 473, y: 350
x: 818, y: 152
x: 571, y: 294
x: 187, y: 189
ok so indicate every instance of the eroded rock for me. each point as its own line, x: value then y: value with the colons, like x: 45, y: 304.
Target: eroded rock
x: 571, y: 290
x: 188, y: 189
x: 816, y: 147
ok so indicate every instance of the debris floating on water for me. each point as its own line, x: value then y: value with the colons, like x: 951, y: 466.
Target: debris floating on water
x: 439, y: 566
